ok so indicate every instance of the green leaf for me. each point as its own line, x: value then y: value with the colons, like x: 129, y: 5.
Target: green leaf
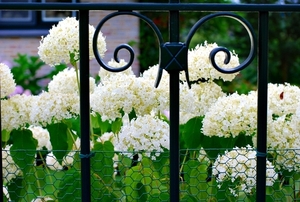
x: 102, y: 162
x: 74, y: 125
x: 124, y: 164
x: 150, y: 180
x: 142, y: 194
x: 212, y: 146
x: 5, y: 135
x: 23, y: 149
x: 59, y: 140
x: 98, y: 124
x: 4, y: 199
x: 195, y: 174
x: 242, y: 140
x: 36, y: 179
x: 116, y: 125
x: 162, y: 165
x: 163, y: 196
x: 276, y: 193
x: 189, y: 198
x: 191, y: 133
x: 17, y: 189
x: 69, y: 188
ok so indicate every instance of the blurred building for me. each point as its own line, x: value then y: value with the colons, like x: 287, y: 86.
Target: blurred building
x: 21, y: 31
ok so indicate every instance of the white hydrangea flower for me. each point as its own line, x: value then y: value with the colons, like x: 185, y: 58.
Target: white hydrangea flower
x: 63, y: 39
x: 197, y: 100
x: 239, y: 165
x: 283, y: 142
x: 108, y: 136
x: 199, y: 65
x: 53, y: 107
x: 15, y: 112
x: 283, y: 98
x: 42, y: 136
x: 5, y: 193
x: 145, y: 134
x: 7, y: 82
x: 231, y: 115
x: 103, y: 73
x: 123, y: 92
x: 52, y: 162
x: 10, y: 170
x: 162, y: 90
x: 65, y: 82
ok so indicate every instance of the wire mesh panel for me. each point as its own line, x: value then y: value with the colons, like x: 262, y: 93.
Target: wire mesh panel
x: 124, y: 176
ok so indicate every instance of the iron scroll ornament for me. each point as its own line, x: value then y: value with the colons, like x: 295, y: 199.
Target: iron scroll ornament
x: 250, y: 31
x: 174, y: 55
x: 122, y: 46
x: 166, y: 49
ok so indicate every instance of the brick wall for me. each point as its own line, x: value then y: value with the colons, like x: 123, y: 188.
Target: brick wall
x: 117, y: 31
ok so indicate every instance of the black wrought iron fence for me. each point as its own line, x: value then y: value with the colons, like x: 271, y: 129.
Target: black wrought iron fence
x: 98, y: 171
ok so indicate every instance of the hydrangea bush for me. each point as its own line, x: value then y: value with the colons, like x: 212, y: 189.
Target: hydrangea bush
x: 130, y: 132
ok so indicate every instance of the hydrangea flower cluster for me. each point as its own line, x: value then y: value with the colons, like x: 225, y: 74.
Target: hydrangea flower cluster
x: 60, y: 102
x: 103, y: 73
x: 200, y: 67
x: 15, y: 112
x: 231, y: 115
x: 283, y: 141
x: 123, y: 92
x: 7, y: 83
x: 42, y: 136
x: 197, y: 100
x: 283, y: 99
x: 239, y: 165
x: 63, y: 40
x: 65, y: 82
x: 145, y: 134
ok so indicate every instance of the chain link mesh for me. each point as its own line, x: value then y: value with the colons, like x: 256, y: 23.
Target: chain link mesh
x: 124, y: 176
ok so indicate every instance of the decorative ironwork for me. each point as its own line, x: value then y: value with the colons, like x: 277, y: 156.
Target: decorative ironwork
x: 173, y: 58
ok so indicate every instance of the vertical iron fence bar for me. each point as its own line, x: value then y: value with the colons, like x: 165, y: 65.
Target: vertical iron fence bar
x: 262, y: 106
x: 174, y: 112
x: 84, y: 105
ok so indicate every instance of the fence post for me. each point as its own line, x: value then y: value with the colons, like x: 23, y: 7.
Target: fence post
x: 174, y: 111
x: 262, y: 106
x: 84, y: 105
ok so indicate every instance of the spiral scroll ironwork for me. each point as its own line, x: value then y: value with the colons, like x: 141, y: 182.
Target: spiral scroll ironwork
x: 169, y: 61
x: 214, y: 52
x: 122, y: 46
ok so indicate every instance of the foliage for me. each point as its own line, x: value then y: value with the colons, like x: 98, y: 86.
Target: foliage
x: 26, y: 73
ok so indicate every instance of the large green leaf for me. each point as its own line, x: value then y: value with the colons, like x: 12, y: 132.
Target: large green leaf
x: 59, y: 140
x: 74, y: 124
x: 102, y: 162
x: 98, y: 125
x: 116, y: 125
x: 23, y: 150
x: 17, y: 189
x: 36, y: 179
x: 195, y: 174
x: 138, y: 175
x: 69, y: 188
x: 192, y: 134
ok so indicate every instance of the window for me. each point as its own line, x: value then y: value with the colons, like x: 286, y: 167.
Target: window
x: 31, y: 23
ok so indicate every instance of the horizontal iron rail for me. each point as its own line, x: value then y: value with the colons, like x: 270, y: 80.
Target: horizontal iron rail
x: 153, y: 7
